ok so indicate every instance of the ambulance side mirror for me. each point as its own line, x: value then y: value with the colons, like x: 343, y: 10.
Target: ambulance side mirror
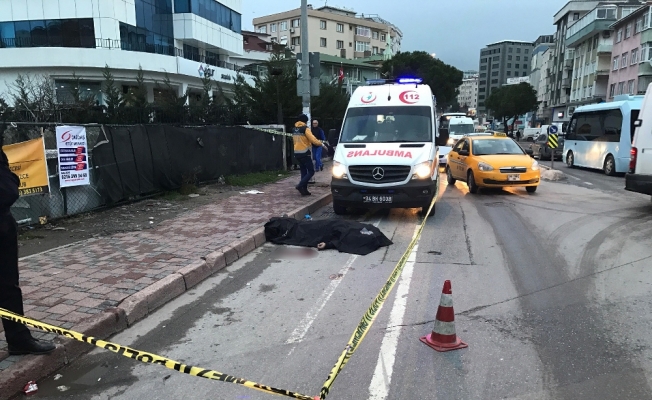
x: 442, y: 139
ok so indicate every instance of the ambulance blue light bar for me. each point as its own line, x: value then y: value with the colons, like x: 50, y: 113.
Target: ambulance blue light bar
x: 406, y: 81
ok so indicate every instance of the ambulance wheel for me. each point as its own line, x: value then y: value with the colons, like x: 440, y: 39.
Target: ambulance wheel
x: 470, y: 181
x: 424, y: 210
x: 339, y: 209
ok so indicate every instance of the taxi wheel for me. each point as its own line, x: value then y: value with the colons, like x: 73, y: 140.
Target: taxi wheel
x: 470, y: 181
x: 531, y: 189
x: 449, y: 176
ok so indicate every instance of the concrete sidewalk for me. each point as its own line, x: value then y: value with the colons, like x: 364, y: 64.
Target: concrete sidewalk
x: 102, y: 285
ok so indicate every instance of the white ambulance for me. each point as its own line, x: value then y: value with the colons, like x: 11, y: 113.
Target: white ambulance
x: 387, y: 152
x: 639, y: 176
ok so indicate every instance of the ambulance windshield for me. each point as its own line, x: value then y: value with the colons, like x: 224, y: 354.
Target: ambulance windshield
x: 387, y: 124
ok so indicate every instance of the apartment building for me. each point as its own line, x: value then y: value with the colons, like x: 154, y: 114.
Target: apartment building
x: 180, y: 38
x: 538, y: 71
x: 468, y: 92
x: 559, y: 70
x: 630, y: 71
x: 589, y: 52
x: 499, y: 62
x: 333, y: 31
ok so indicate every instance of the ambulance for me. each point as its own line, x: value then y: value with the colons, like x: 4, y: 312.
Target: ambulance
x: 387, y: 154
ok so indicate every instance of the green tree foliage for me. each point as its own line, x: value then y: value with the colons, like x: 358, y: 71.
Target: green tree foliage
x: 81, y: 105
x: 113, y: 98
x: 442, y: 78
x: 511, y: 101
x: 170, y: 106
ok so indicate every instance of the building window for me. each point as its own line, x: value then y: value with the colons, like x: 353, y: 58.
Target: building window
x: 340, y: 44
x: 509, y: 65
x: 509, y: 58
x: 483, y: 68
x: 621, y: 87
x: 619, y: 35
x: 383, y: 37
x: 374, y: 50
x: 630, y: 87
x: 363, y: 31
x: 272, y: 28
x: 615, y: 63
x: 262, y: 29
x: 634, y: 57
x: 208, y: 9
x: 628, y: 31
x: 483, y: 75
x: 322, y: 42
x: 483, y: 83
x: 518, y: 50
x: 525, y: 58
x: 283, y: 26
x: 482, y: 90
x: 495, y: 73
x: 483, y: 60
x: 518, y: 58
x: 612, y: 90
x: 637, y: 25
x: 645, y: 52
x: 509, y: 73
x: 527, y: 51
x: 296, y: 41
x: 517, y: 66
x: 496, y: 58
x: 576, y: 16
x: 361, y: 47
x: 340, y: 28
x: 494, y: 81
x: 49, y: 33
x: 295, y: 23
x: 322, y: 25
x: 374, y: 35
x: 481, y: 97
x: 646, y: 21
x: 623, y: 61
x: 510, y: 50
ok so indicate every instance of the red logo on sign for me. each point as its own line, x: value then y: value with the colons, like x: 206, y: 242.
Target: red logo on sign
x: 409, y: 97
x: 66, y: 136
x: 370, y: 98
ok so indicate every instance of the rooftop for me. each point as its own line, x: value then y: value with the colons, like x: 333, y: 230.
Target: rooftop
x: 510, y: 41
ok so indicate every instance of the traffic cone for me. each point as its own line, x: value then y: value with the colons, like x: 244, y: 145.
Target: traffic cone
x: 443, y: 337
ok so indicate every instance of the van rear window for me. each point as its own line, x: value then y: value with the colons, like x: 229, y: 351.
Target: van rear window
x: 387, y: 124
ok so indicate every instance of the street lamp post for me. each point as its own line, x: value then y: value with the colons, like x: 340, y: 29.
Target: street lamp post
x: 277, y: 72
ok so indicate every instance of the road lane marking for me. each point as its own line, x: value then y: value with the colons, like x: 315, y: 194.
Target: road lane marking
x: 588, y: 183
x: 382, y: 378
x: 302, y: 329
x: 574, y: 177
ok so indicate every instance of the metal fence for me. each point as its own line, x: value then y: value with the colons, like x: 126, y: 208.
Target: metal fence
x: 127, y: 163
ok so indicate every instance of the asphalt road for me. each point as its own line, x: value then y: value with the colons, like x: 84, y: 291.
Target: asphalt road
x: 552, y: 293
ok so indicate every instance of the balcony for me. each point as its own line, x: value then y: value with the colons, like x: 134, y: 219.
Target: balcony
x: 566, y: 83
x: 604, y: 48
x: 594, y: 22
x: 568, y: 64
x: 602, y: 72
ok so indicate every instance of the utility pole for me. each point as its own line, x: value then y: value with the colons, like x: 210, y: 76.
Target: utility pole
x: 305, y: 59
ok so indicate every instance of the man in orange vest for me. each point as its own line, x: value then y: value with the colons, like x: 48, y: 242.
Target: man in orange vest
x: 303, y: 141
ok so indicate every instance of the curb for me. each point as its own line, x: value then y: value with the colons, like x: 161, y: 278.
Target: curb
x: 137, y: 306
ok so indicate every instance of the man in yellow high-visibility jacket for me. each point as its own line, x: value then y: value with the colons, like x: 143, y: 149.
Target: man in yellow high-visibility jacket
x: 303, y: 141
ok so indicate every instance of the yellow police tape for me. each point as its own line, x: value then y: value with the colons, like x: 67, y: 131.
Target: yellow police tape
x: 149, y: 358
x: 370, y: 316
x: 272, y: 131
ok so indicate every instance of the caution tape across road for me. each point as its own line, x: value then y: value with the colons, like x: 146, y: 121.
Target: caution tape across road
x: 149, y: 358
x: 370, y: 316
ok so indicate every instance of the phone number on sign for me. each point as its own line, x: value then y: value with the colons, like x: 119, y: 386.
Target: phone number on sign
x: 36, y: 190
x: 75, y: 176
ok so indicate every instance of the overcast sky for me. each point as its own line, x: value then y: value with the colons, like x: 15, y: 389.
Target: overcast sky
x: 455, y: 30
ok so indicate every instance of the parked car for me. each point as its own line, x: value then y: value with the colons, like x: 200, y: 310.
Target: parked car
x: 530, y: 133
x: 541, y: 150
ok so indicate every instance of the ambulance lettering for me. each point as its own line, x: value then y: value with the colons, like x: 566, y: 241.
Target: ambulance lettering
x: 388, y: 153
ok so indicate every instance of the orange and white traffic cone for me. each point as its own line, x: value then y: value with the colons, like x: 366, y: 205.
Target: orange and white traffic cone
x: 443, y: 337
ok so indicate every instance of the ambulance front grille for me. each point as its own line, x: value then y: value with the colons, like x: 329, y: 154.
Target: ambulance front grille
x: 370, y: 173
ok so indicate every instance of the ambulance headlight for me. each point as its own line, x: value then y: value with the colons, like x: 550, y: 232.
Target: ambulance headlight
x: 423, y: 170
x: 339, y: 170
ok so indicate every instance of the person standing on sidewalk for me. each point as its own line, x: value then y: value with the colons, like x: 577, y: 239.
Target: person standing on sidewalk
x: 19, y: 338
x: 320, y: 135
x: 303, y: 140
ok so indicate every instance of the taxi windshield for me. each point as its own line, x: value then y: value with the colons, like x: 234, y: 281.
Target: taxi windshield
x: 488, y: 147
x: 387, y: 124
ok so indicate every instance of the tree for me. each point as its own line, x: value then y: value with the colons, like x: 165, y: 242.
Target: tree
x: 113, y: 98
x: 139, y: 107
x: 442, y: 78
x: 511, y: 101
x: 35, y: 98
x: 80, y: 103
x: 171, y: 107
x: 330, y: 105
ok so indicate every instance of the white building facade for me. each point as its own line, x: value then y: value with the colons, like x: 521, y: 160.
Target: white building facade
x: 178, y: 38
x: 468, y: 96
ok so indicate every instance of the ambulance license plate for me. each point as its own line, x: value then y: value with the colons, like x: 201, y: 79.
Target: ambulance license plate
x: 377, y: 199
x: 514, y: 178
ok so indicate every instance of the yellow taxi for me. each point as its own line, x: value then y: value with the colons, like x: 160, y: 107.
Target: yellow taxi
x: 492, y: 161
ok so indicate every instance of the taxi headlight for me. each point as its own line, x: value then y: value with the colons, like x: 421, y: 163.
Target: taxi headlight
x: 423, y: 170
x: 483, y: 166
x: 535, y: 165
x: 339, y: 170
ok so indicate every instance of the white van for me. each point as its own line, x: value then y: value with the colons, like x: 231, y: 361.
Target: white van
x: 387, y: 155
x: 458, y: 127
x: 639, y: 177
